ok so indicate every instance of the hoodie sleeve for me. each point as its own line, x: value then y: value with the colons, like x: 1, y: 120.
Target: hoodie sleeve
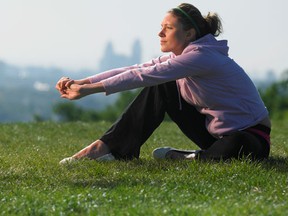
x: 188, y: 64
x: 114, y: 72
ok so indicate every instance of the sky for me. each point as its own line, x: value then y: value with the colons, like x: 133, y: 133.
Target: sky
x: 72, y: 34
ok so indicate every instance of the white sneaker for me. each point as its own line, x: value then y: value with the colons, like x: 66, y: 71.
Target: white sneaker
x: 67, y: 160
x: 106, y: 157
x: 172, y: 153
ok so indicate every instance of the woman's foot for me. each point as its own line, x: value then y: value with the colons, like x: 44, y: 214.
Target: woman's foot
x: 174, y: 154
x: 67, y: 160
x: 93, y: 151
x: 97, y: 150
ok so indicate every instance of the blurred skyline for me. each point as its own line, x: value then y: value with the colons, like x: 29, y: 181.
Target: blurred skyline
x: 72, y: 34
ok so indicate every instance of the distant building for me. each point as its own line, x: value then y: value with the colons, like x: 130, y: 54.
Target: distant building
x: 112, y: 60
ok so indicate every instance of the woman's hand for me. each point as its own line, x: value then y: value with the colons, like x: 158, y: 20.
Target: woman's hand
x: 65, y: 83
x: 61, y: 84
x: 72, y: 91
x: 76, y: 89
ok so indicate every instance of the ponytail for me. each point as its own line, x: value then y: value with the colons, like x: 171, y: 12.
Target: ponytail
x: 213, y: 24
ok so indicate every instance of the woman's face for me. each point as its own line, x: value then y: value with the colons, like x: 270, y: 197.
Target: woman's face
x: 173, y: 38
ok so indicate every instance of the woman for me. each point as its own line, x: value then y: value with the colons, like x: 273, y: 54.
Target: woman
x: 209, y: 96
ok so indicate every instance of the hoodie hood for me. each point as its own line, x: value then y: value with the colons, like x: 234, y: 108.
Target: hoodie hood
x: 208, y: 41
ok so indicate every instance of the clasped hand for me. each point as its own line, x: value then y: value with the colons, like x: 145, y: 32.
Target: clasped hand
x: 68, y: 88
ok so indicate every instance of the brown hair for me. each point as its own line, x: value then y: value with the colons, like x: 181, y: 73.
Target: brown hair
x: 210, y: 24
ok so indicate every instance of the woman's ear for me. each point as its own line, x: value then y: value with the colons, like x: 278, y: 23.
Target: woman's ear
x: 191, y: 34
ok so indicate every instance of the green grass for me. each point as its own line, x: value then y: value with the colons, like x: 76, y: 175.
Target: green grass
x: 32, y: 182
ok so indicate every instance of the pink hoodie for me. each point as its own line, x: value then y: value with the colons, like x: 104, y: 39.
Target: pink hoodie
x: 207, y: 79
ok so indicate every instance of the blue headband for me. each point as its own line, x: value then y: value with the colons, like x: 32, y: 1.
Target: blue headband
x: 191, y: 20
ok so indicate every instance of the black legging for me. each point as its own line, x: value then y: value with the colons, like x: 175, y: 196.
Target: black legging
x: 147, y: 111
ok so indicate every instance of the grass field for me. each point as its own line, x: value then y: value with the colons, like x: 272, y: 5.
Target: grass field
x: 32, y: 182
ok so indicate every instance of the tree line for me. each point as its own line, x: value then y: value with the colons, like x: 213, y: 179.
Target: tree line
x: 69, y: 111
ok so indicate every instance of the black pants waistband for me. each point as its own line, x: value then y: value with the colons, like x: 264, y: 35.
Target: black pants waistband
x: 262, y: 128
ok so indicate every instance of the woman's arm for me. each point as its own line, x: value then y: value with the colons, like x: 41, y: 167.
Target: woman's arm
x: 114, y: 72
x: 75, y: 89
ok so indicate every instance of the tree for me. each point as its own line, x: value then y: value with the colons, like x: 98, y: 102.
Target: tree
x: 275, y: 97
x: 68, y: 111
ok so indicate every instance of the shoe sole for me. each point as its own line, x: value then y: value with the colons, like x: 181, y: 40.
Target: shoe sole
x: 161, y: 153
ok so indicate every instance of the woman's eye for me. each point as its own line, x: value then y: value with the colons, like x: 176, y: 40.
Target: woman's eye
x: 166, y: 27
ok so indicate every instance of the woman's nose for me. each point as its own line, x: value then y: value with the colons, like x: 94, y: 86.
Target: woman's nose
x: 161, y: 33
